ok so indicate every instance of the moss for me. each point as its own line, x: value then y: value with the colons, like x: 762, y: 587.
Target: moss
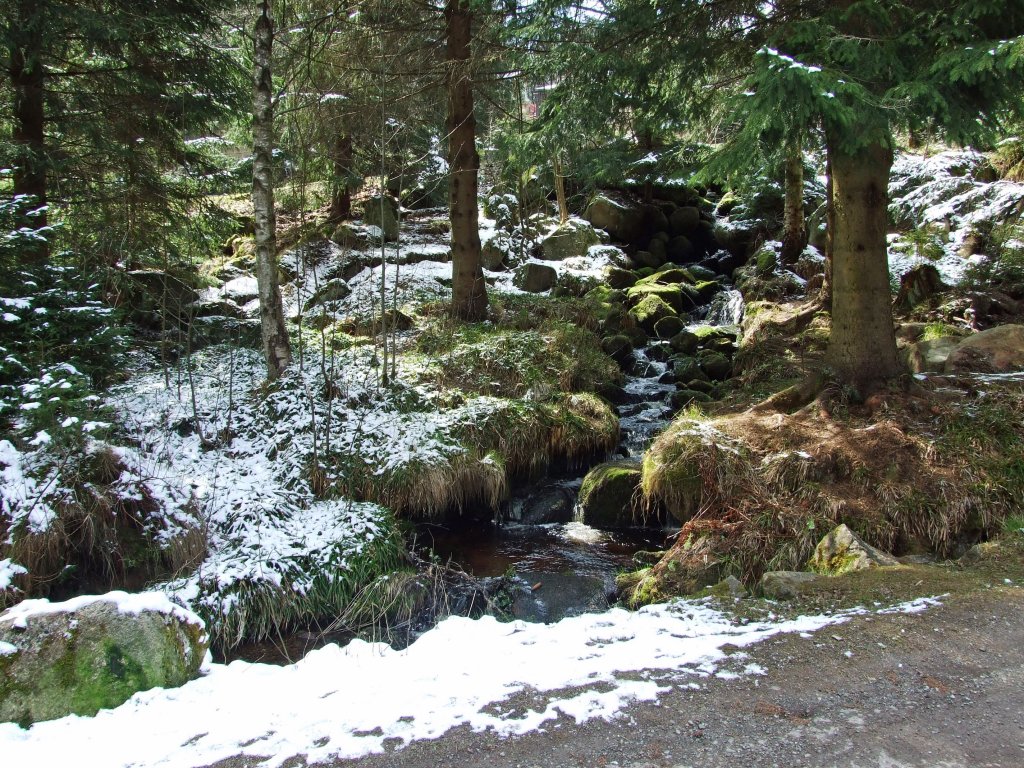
x: 668, y: 275
x: 650, y: 310
x: 680, y: 296
x: 607, y: 496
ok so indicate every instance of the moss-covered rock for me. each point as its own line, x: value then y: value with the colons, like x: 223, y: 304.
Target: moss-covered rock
x: 574, y: 238
x: 715, y: 365
x: 684, y: 342
x: 651, y: 309
x: 617, y: 215
x: 843, y: 551
x: 619, y: 348
x: 686, y: 368
x: 668, y: 327
x: 684, y: 397
x: 382, y: 211
x: 620, y: 278
x: 608, y: 495
x: 93, y: 653
x: 681, y: 297
x: 671, y: 275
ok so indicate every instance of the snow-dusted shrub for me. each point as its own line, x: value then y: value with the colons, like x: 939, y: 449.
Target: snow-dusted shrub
x: 72, y: 507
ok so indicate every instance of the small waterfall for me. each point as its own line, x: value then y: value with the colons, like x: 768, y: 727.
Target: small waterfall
x: 726, y: 308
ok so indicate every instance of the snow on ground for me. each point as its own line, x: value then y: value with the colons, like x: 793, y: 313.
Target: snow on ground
x: 353, y: 701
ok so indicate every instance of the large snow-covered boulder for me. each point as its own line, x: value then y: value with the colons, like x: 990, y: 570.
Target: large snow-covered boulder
x: 997, y: 350
x: 93, y: 652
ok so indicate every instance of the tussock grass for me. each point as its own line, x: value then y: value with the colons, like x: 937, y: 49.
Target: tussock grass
x: 757, y: 490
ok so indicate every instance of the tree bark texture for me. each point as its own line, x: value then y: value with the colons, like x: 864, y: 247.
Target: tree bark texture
x: 341, y: 192
x: 469, y: 292
x: 276, y: 347
x: 830, y: 229
x: 27, y: 76
x: 862, y: 346
x: 794, y: 235
x: 563, y: 204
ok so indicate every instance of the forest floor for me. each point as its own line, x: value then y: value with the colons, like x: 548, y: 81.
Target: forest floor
x: 938, y: 687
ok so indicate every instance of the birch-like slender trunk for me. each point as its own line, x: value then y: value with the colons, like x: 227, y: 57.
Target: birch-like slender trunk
x: 276, y: 347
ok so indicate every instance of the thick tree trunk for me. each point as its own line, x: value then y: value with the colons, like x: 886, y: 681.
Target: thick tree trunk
x: 469, y: 292
x: 794, y: 235
x: 341, y: 193
x: 27, y: 78
x: 276, y: 347
x: 862, y: 347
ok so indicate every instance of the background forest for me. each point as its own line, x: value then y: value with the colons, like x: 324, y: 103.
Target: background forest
x: 282, y: 283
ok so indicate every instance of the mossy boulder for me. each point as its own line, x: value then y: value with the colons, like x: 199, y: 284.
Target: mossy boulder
x: 617, y: 215
x: 668, y: 327
x: 650, y: 310
x: 619, y: 348
x: 681, y: 249
x: 382, y: 211
x: 670, y: 275
x: 684, y: 220
x: 843, y: 551
x: 572, y: 239
x: 715, y: 365
x: 684, y: 342
x: 686, y: 368
x: 648, y: 259
x: 608, y: 495
x: 620, y: 278
x: 787, y: 585
x: 93, y: 653
x: 681, y: 297
x: 684, y: 397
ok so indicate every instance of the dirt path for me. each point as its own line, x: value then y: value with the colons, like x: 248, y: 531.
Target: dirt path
x: 944, y: 688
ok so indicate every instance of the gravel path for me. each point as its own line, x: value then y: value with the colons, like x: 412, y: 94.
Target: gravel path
x: 943, y: 689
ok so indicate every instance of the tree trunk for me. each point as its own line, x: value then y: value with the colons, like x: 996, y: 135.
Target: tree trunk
x: 794, y: 236
x: 563, y: 205
x: 862, y: 346
x: 341, y: 193
x: 276, y: 347
x: 469, y: 292
x: 825, y: 296
x: 27, y: 76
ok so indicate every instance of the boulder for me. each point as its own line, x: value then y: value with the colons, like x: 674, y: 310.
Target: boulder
x: 535, y: 278
x: 163, y: 291
x: 608, y: 495
x: 658, y: 247
x: 241, y: 289
x: 351, y: 236
x: 679, y: 296
x: 650, y: 310
x: 786, y: 585
x: 681, y: 250
x: 494, y: 252
x: 218, y: 329
x: 548, y: 504
x: 381, y: 211
x: 715, y: 365
x: 931, y: 355
x: 572, y: 239
x: 93, y: 652
x: 648, y: 259
x: 332, y: 290
x: 668, y: 327
x: 618, y: 348
x: 620, y: 278
x: 843, y: 551
x: 684, y: 397
x: 997, y: 350
x: 670, y: 275
x: 684, y: 342
x: 686, y: 368
x: 918, y: 285
x: 618, y: 216
x: 684, y: 220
